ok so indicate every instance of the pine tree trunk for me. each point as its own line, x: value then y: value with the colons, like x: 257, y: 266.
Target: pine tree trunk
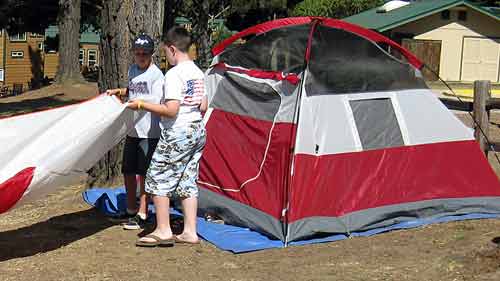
x: 121, y: 22
x: 201, y: 33
x: 68, y: 70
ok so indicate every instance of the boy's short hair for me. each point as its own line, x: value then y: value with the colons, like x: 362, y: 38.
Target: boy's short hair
x: 179, y: 37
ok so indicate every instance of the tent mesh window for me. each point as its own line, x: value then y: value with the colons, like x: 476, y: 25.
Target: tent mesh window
x: 342, y: 62
x: 247, y: 98
x: 281, y: 50
x: 376, y: 123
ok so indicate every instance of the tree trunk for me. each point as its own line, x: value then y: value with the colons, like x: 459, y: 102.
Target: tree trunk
x: 201, y: 32
x: 121, y: 22
x: 68, y: 70
x: 172, y: 9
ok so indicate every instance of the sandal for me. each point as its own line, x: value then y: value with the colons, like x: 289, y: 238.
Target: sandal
x: 184, y: 242
x: 158, y: 242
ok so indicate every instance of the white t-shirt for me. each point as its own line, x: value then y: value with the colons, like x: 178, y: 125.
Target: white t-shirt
x: 146, y: 85
x: 185, y: 82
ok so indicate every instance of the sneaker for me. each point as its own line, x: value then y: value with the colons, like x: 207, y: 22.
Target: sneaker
x: 122, y: 218
x: 135, y: 223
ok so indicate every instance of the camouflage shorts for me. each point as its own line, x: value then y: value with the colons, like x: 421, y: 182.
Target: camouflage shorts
x: 174, y: 166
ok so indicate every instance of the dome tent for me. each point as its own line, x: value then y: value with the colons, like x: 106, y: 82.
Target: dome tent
x: 314, y: 127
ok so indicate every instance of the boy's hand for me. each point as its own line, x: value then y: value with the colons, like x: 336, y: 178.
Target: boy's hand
x: 112, y: 92
x: 135, y: 104
x: 115, y: 92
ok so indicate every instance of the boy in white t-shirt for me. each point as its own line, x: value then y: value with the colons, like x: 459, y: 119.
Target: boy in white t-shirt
x: 174, y: 167
x: 145, y: 82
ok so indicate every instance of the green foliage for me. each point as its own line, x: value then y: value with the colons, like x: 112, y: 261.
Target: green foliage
x: 220, y: 34
x: 334, y: 8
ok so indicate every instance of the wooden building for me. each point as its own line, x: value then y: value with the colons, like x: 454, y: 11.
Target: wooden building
x: 28, y: 58
x: 89, y: 52
x: 459, y: 39
x: 21, y: 58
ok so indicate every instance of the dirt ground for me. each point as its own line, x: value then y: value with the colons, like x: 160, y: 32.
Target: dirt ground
x: 47, y: 97
x: 61, y: 238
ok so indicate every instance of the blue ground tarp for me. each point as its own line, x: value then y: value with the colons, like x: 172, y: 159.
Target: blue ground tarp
x: 111, y: 202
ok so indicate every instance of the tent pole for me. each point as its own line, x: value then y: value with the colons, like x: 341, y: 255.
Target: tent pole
x: 293, y: 141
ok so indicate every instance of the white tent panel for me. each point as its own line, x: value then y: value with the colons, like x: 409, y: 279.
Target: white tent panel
x: 429, y: 121
x: 327, y: 123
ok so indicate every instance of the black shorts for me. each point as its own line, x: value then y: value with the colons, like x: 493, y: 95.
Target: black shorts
x: 137, y: 155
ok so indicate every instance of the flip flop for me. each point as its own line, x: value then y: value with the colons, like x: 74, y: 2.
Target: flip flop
x: 158, y: 242
x: 183, y: 242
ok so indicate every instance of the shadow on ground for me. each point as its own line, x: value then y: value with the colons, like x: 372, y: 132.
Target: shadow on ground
x: 51, y: 234
x: 31, y: 105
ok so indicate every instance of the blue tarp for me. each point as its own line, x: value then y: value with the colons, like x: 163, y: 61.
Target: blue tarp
x: 112, y: 202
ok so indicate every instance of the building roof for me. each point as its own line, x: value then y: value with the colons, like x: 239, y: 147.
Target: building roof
x: 86, y: 37
x: 184, y: 20
x: 415, y: 10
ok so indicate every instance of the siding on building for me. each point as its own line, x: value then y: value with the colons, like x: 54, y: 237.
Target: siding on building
x: 2, y: 65
x: 453, y: 33
x: 21, y: 69
x: 34, y: 63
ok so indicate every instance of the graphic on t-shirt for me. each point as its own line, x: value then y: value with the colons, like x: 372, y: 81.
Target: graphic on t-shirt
x: 138, y: 88
x: 195, y: 89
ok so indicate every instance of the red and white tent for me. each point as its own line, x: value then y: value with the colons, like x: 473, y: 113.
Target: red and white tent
x: 317, y: 126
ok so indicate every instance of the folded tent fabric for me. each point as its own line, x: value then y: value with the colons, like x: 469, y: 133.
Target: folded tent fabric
x: 45, y: 150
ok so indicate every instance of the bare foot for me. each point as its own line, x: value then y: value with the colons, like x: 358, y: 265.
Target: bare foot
x: 164, y: 235
x: 187, y: 238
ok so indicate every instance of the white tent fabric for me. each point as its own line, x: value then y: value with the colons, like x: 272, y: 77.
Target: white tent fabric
x: 327, y: 121
x: 61, y: 144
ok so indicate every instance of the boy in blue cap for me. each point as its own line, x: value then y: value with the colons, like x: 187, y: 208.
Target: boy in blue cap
x: 145, y: 82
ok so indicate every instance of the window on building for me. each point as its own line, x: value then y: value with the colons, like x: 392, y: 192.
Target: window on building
x: 445, y: 15
x: 462, y: 15
x: 17, y: 37
x: 17, y: 54
x: 81, y: 57
x: 36, y: 35
x: 92, y: 57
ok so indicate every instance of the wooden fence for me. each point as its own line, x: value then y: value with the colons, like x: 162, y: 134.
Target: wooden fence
x: 481, y: 106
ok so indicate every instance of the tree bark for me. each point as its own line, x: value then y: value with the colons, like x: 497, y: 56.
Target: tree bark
x: 201, y: 32
x: 121, y: 22
x: 69, y: 16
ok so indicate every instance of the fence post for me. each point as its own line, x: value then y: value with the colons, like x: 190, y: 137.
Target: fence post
x: 482, y: 93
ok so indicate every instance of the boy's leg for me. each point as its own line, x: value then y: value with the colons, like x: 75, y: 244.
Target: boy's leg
x: 162, y: 177
x: 129, y: 167
x: 188, y: 189
x: 146, y: 150
x: 143, y: 199
x: 189, y: 208
x: 162, y: 206
x: 162, y: 230
x: 131, y: 188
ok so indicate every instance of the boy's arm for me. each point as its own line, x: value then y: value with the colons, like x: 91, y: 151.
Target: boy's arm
x: 172, y: 91
x: 204, y: 104
x: 168, y: 109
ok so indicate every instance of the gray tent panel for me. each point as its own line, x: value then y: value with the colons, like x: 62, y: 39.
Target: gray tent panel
x: 247, y: 98
x: 235, y: 213
x: 390, y: 215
